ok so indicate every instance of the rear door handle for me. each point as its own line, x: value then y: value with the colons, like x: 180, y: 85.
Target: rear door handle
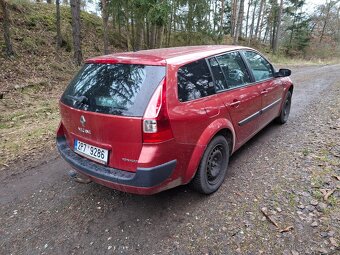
x: 235, y: 103
x: 263, y: 92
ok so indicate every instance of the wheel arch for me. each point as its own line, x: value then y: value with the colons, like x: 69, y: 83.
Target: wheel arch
x: 291, y: 88
x: 222, y: 127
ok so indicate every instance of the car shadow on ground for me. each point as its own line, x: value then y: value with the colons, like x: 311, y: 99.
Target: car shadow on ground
x: 185, y: 193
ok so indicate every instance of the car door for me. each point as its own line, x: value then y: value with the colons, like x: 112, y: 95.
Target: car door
x: 271, y: 87
x: 234, y: 88
x: 195, y: 105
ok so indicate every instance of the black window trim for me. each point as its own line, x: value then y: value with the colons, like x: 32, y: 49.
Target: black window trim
x: 212, y: 74
x: 247, y: 66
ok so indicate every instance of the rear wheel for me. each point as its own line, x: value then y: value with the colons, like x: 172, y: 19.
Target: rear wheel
x: 282, y: 119
x: 213, y: 167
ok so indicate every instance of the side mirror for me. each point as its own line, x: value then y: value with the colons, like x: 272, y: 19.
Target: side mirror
x: 283, y: 73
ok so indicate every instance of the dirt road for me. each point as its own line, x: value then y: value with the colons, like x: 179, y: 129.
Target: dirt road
x: 284, y: 170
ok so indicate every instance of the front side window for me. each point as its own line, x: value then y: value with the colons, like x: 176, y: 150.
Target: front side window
x: 117, y: 89
x: 260, y: 67
x: 194, y: 81
x: 234, y: 69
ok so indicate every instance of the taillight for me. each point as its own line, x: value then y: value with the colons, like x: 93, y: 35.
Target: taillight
x: 156, y: 123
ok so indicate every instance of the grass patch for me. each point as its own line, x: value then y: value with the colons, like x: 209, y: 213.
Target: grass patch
x: 306, y: 152
x: 283, y: 60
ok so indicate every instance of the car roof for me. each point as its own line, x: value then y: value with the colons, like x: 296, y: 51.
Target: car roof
x: 164, y: 56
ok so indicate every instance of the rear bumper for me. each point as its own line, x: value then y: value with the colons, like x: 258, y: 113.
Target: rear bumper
x: 143, y: 181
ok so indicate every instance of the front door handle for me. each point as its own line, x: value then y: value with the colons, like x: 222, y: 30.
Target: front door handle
x: 236, y: 103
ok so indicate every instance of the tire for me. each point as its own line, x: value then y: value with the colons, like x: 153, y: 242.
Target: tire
x: 283, y: 117
x: 213, y: 166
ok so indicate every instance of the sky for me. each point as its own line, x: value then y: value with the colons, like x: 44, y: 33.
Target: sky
x: 310, y: 4
x: 92, y: 6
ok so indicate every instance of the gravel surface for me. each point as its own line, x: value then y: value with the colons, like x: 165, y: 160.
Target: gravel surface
x: 281, y: 196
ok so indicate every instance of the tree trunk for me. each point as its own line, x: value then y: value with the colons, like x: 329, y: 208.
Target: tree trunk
x: 278, y: 26
x: 6, y: 26
x: 325, y: 22
x: 59, y: 38
x: 234, y: 17
x: 49, y: 1
x: 259, y: 18
x: 148, y: 33
x: 139, y: 32
x: 266, y: 34
x: 274, y: 15
x: 133, y: 37
x: 172, y: 20
x: 252, y: 23
x: 258, y: 36
x: 222, y: 16
x: 338, y: 24
x: 189, y: 23
x: 247, y: 18
x: 105, y: 16
x: 127, y: 25
x: 153, y: 32
x: 75, y: 12
x: 160, y: 34
x: 238, y: 31
x: 241, y: 18
x: 292, y: 31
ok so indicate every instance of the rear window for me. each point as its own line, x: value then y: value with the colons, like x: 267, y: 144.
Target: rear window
x: 118, y: 89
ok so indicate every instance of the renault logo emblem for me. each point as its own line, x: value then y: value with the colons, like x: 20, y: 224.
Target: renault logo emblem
x: 82, y: 120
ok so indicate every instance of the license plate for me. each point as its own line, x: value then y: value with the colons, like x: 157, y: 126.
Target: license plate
x: 95, y: 153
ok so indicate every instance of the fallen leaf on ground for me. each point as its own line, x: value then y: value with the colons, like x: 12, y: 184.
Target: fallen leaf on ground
x: 327, y: 193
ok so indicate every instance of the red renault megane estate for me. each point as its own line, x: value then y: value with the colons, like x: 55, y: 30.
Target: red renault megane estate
x: 146, y: 121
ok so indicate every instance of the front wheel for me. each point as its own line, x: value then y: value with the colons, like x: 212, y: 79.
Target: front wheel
x: 213, y: 166
x: 283, y: 117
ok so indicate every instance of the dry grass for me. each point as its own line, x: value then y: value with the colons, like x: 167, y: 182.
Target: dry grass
x: 32, y: 81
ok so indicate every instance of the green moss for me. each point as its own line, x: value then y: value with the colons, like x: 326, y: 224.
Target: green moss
x: 332, y: 200
x: 317, y: 195
x: 291, y: 199
x: 305, y: 152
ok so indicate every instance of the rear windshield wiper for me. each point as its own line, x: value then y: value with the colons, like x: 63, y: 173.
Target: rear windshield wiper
x: 80, y: 99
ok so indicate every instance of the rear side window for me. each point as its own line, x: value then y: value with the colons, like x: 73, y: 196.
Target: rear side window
x: 118, y: 89
x: 194, y: 81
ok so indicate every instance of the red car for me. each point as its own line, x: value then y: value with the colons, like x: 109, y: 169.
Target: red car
x: 147, y: 121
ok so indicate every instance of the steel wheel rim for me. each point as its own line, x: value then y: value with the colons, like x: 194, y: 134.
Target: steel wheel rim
x: 215, y: 164
x: 286, y: 110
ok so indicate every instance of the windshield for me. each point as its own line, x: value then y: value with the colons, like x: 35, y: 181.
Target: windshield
x: 118, y: 89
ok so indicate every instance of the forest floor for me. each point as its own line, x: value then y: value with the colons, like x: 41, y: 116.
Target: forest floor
x: 289, y: 173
